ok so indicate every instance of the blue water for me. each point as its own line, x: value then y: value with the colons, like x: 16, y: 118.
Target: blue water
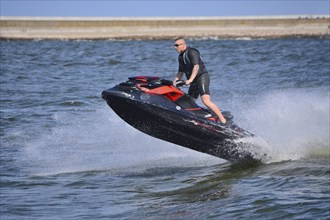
x: 66, y: 155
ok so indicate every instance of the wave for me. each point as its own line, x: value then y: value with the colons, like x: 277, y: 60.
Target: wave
x: 290, y: 124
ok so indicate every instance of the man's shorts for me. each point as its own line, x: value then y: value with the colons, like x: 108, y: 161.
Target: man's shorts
x: 200, y: 86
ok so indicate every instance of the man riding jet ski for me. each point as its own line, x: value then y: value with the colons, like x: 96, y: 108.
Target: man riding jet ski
x: 159, y: 109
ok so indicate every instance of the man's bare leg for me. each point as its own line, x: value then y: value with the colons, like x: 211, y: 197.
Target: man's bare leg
x: 206, y: 99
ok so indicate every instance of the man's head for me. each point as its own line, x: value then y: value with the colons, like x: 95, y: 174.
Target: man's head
x: 180, y: 44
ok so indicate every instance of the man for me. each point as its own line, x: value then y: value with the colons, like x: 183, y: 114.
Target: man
x: 191, y: 64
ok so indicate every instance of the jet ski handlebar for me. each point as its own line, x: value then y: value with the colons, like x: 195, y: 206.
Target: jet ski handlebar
x: 179, y: 83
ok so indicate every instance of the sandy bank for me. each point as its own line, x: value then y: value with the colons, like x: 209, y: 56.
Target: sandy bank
x: 162, y: 27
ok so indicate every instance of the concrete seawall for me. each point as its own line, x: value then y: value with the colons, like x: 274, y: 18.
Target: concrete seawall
x: 162, y: 27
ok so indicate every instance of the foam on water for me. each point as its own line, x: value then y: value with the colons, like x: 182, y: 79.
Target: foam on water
x: 291, y: 124
x: 100, y: 140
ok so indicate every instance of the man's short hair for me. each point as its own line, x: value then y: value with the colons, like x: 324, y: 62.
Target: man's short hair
x: 179, y: 38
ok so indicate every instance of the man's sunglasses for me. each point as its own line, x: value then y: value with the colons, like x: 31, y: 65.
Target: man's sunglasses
x: 176, y: 45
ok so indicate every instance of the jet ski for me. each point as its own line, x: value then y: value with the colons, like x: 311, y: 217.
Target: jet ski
x: 160, y: 109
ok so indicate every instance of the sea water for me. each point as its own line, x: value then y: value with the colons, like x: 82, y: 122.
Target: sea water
x: 66, y: 155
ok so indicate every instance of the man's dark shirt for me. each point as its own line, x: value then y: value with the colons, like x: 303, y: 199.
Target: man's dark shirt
x: 188, y: 59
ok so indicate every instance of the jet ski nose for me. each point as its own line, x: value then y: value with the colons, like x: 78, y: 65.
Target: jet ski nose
x: 107, y: 94
x: 103, y: 94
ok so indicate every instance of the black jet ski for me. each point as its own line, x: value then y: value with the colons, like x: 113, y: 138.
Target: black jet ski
x: 158, y: 108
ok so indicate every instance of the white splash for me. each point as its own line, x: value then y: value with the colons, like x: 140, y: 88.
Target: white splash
x: 100, y: 140
x: 290, y: 124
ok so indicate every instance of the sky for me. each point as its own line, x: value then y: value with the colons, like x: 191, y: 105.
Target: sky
x: 159, y: 8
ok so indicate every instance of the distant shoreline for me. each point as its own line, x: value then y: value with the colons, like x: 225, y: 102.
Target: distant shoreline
x: 127, y: 28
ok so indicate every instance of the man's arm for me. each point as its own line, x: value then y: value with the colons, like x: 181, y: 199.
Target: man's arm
x: 193, y: 74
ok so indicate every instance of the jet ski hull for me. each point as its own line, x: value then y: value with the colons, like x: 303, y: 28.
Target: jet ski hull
x: 156, y: 116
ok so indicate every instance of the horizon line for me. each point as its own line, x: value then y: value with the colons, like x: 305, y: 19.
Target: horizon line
x: 103, y: 18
